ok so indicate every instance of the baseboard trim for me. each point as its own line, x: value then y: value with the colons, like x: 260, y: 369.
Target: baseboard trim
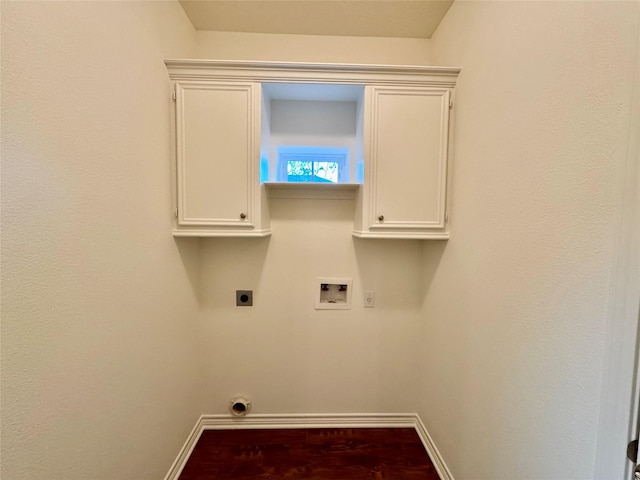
x: 185, y: 452
x: 432, y: 450
x: 279, y: 421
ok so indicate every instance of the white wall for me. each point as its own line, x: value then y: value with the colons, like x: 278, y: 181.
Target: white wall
x: 517, y: 304
x: 287, y: 356
x: 313, y: 124
x: 312, y: 48
x: 100, y: 376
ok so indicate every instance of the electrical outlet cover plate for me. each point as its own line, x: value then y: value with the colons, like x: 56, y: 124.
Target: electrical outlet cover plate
x: 369, y: 299
x: 333, y: 293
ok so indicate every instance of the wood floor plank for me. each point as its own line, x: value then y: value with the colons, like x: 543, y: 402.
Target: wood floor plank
x: 310, y: 454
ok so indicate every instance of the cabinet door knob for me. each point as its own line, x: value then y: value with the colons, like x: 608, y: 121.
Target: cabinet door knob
x: 381, y: 218
x: 243, y: 216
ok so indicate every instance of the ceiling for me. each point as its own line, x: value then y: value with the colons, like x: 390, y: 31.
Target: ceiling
x: 353, y: 18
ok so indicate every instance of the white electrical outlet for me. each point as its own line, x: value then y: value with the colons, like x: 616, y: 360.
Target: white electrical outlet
x: 369, y: 298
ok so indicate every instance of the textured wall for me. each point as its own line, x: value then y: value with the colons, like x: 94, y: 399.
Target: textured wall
x: 99, y: 370
x: 516, y: 311
x: 312, y: 48
x: 289, y: 357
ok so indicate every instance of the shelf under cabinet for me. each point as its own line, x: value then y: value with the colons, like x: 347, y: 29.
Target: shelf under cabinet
x: 401, y: 235
x: 209, y: 232
x: 331, y: 191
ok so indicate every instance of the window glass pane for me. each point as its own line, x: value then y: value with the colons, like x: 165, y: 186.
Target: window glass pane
x: 326, y: 170
x: 299, y: 167
x: 312, y: 164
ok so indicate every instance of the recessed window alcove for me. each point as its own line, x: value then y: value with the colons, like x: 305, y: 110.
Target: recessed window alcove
x: 311, y: 133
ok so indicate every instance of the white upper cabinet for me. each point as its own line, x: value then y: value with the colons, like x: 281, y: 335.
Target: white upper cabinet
x: 406, y: 133
x: 239, y: 124
x: 217, y: 147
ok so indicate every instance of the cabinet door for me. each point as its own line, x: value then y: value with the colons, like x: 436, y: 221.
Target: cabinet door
x: 407, y: 149
x: 217, y: 154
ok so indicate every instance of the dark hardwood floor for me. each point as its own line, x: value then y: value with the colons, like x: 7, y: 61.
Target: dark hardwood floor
x: 314, y: 453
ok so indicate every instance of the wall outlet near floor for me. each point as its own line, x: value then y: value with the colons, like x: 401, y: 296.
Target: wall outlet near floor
x: 369, y: 299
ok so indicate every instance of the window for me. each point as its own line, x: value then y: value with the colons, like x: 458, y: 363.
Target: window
x: 313, y: 164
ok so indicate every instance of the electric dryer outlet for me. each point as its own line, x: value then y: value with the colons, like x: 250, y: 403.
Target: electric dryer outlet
x: 244, y: 298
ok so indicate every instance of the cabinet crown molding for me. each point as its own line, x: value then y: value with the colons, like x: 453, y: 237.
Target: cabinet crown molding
x: 303, y: 72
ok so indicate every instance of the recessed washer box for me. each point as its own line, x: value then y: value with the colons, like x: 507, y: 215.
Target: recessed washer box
x: 333, y: 293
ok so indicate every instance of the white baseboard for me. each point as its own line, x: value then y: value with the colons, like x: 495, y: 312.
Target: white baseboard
x: 431, y: 449
x: 279, y: 421
x: 185, y: 452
